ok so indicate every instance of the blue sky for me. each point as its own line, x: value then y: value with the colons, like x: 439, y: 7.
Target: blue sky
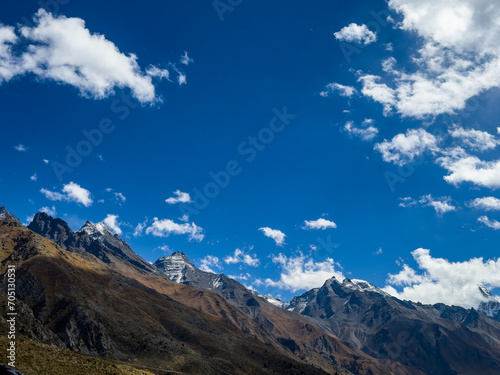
x: 375, y: 124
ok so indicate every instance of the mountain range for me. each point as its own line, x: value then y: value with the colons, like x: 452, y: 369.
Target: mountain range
x: 88, y: 292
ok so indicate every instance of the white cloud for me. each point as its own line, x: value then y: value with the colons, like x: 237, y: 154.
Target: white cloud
x: 333, y: 87
x: 319, y: 224
x: 9, y: 67
x: 458, y: 58
x: 179, y: 197
x: 46, y: 161
x: 366, y: 133
x: 240, y: 256
x: 112, y: 223
x: 277, y: 235
x: 439, y: 280
x: 34, y: 177
x: 379, y: 251
x: 139, y: 229
x: 493, y: 224
x: 185, y: 59
x: 486, y: 203
x: 476, y: 140
x: 21, y: 148
x: 407, y: 202
x: 63, y: 50
x: 51, y: 211
x: 184, y: 218
x: 441, y: 205
x: 120, y: 197
x: 463, y: 167
x: 166, y: 227
x: 379, y: 92
x: 70, y: 193
x: 299, y: 272
x: 209, y: 262
x: 404, y: 148
x: 356, y: 33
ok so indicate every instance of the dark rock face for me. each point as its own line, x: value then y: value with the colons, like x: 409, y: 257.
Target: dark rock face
x: 436, y: 339
x: 92, y: 238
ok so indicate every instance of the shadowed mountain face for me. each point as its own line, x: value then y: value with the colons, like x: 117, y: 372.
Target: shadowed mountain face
x: 436, y: 339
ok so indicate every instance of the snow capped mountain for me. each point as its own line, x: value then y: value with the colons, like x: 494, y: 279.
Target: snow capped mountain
x: 491, y: 305
x: 362, y: 286
x: 175, y: 267
x: 95, y: 230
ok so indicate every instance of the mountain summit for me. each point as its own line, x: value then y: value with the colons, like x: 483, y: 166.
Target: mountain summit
x: 96, y: 239
x: 6, y: 215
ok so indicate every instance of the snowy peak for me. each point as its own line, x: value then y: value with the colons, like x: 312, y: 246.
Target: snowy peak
x: 6, y: 215
x: 491, y: 305
x: 95, y: 230
x: 362, y: 286
x: 174, y: 266
x: 484, y: 291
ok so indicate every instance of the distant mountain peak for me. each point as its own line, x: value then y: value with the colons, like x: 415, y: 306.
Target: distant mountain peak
x: 95, y: 230
x: 362, y: 286
x: 484, y: 291
x: 6, y: 215
x: 175, y: 266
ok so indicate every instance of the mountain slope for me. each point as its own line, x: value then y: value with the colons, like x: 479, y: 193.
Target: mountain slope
x: 298, y: 333
x: 95, y: 239
x: 87, y: 307
x: 435, y: 339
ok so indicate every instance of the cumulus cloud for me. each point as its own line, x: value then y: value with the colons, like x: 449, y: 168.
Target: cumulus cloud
x: 21, y: 148
x: 34, y: 177
x: 277, y: 235
x: 300, y: 272
x: 366, y: 133
x: 112, y: 223
x: 463, y: 167
x: 356, y: 33
x: 347, y: 91
x: 458, y: 57
x: 166, y: 227
x: 406, y: 202
x: 475, y: 140
x: 63, y: 50
x: 404, y: 148
x: 438, y: 280
x: 70, y: 193
x: 493, y: 224
x: 319, y: 224
x: 209, y: 262
x: 240, y: 256
x: 486, y: 203
x: 179, y: 197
